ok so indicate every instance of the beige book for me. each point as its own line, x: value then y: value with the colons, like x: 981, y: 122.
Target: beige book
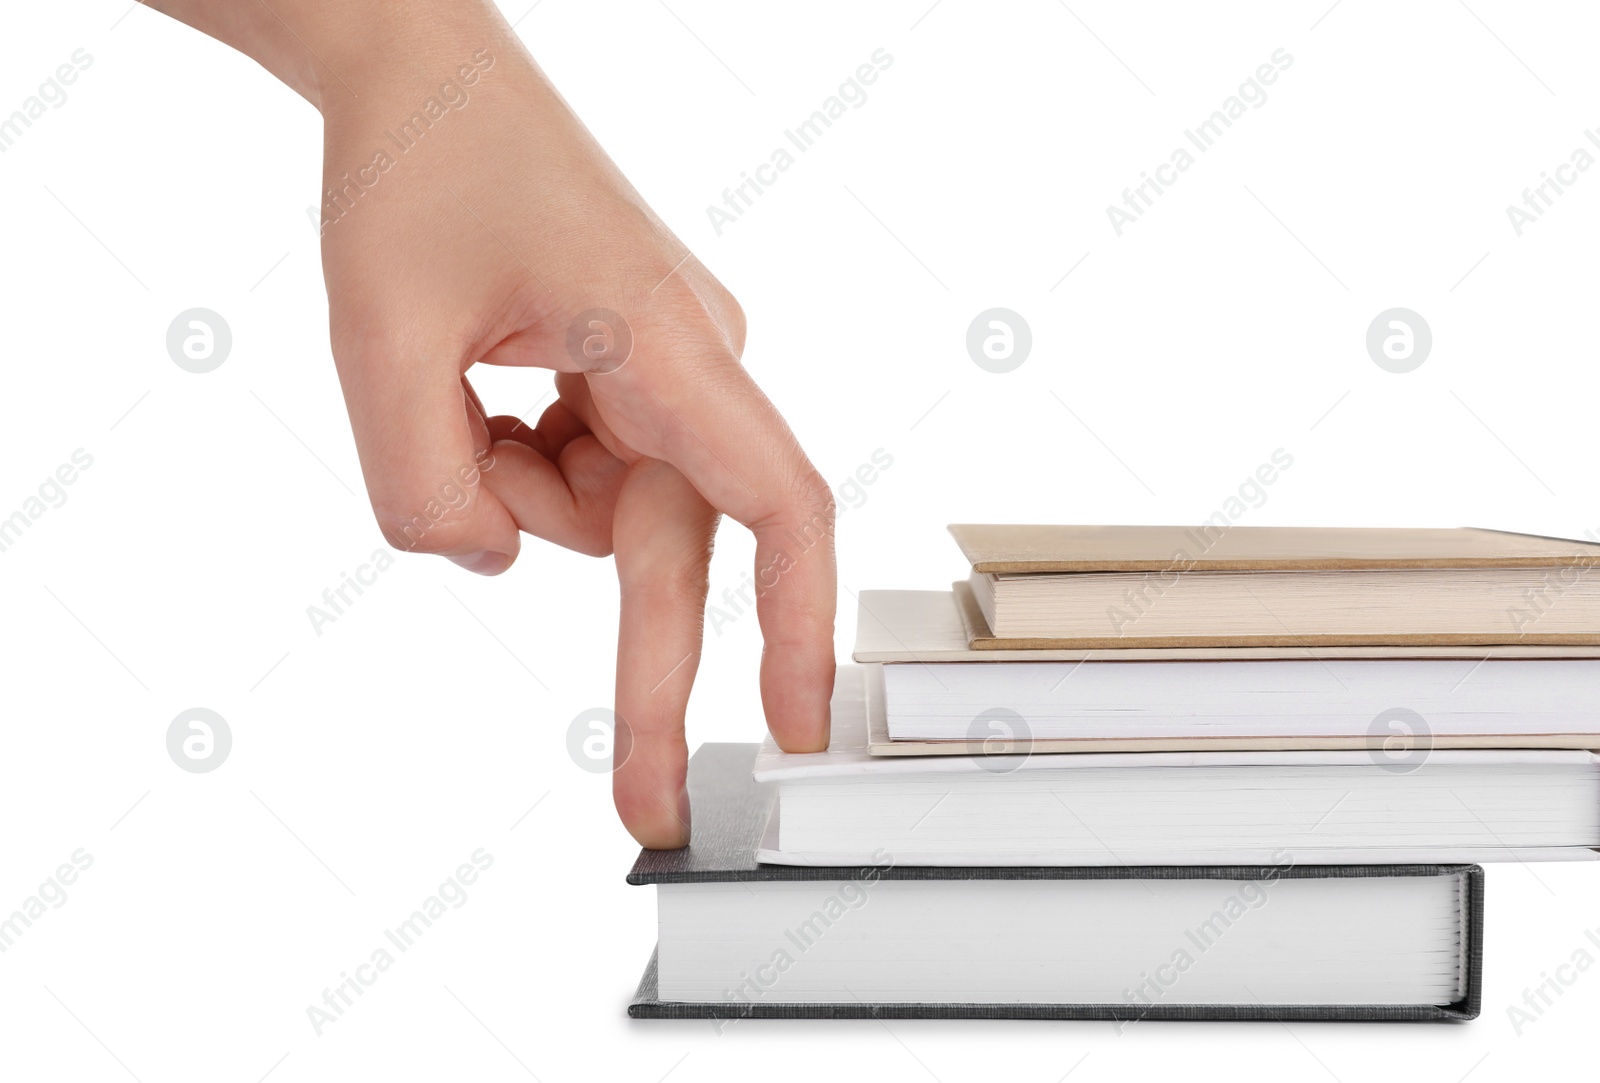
x: 1138, y: 700
x: 1100, y: 587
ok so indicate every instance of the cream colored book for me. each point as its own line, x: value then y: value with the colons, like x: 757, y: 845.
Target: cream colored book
x: 1156, y: 586
x: 929, y: 693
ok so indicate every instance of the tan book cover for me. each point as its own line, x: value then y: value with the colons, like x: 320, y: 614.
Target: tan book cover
x: 1109, y: 587
x: 942, y: 626
x: 1531, y: 642
x: 1005, y: 548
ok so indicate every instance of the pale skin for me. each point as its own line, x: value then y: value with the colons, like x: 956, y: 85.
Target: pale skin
x: 481, y: 246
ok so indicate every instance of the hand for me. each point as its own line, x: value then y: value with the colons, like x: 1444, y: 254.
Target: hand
x: 479, y: 230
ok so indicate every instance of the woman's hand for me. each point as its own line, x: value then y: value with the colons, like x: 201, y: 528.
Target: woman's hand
x: 469, y: 218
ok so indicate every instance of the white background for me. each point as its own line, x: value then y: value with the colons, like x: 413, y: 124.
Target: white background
x: 369, y: 761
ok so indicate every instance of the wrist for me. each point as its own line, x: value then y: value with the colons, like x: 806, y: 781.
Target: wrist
x: 361, y: 49
x: 330, y: 52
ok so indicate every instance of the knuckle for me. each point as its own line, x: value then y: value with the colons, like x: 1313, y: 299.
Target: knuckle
x: 732, y: 318
x: 704, y: 323
x: 355, y: 333
x: 676, y: 573
x: 428, y: 525
x: 807, y: 516
x: 694, y: 344
x: 690, y: 579
x: 813, y: 497
x: 595, y: 541
x: 688, y: 574
x: 429, y: 507
x: 736, y: 328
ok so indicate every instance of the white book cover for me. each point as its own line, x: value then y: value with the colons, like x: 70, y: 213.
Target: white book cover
x: 847, y: 753
x: 847, y: 766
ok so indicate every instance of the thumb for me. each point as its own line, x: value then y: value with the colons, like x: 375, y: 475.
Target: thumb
x: 424, y: 447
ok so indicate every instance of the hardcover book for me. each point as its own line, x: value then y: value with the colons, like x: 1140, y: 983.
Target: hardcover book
x: 1217, y: 586
x: 888, y: 939
x: 925, y: 695
x: 840, y: 806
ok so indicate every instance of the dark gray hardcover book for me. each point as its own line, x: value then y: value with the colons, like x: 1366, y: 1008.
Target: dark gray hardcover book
x: 731, y: 812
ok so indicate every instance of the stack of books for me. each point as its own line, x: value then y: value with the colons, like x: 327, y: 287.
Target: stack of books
x: 1154, y: 773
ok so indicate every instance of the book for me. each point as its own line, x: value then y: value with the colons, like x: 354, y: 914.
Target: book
x: 926, y: 697
x: 1155, y: 586
x: 840, y: 806
x: 1397, y: 704
x: 941, y: 626
x: 888, y: 939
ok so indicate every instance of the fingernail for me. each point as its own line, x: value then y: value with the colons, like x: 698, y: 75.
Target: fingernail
x: 484, y: 563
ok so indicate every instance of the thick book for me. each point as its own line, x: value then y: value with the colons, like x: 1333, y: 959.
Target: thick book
x: 1228, y: 706
x: 1158, y: 586
x: 840, y: 806
x: 925, y: 695
x: 941, y: 625
x: 886, y: 939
